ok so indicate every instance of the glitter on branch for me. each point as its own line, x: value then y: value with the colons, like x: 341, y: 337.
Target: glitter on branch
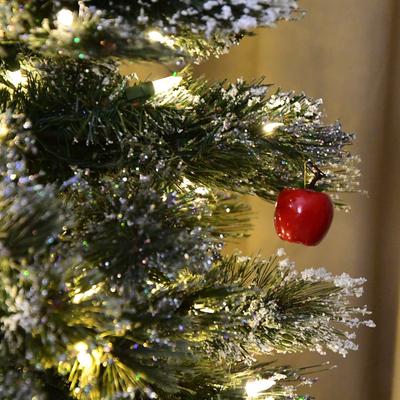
x: 102, y: 29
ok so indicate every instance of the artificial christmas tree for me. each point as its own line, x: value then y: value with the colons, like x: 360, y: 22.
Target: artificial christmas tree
x: 117, y: 196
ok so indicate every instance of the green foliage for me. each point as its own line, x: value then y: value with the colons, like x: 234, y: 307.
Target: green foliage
x: 174, y: 325
x: 102, y: 29
x: 29, y: 211
x: 213, y: 135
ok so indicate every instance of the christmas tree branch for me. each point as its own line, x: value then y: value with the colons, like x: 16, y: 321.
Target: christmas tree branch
x: 172, y: 336
x: 149, y: 30
x: 293, y: 311
x: 30, y: 212
x: 185, y: 317
x: 218, y: 136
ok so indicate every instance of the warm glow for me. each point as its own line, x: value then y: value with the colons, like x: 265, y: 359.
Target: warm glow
x: 166, y: 84
x: 83, y: 296
x: 84, y: 358
x: 65, y: 18
x: 270, y: 127
x: 254, y: 388
x: 81, y: 347
x: 16, y: 77
x: 156, y: 36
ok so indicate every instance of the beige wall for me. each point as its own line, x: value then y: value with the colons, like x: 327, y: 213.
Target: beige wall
x: 345, y: 52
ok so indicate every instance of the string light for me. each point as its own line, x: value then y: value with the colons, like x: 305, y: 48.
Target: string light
x: 270, y: 127
x: 84, y: 358
x: 254, y: 388
x: 204, y: 308
x: 16, y: 77
x: 166, y: 84
x: 156, y: 36
x: 79, y: 297
x: 65, y: 18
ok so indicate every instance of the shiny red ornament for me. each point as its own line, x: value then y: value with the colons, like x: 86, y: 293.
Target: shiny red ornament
x: 303, y: 216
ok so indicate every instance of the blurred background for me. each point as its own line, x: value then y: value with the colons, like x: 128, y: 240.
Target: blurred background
x: 348, y: 54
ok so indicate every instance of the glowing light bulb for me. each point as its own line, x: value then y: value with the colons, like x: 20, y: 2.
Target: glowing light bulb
x: 254, y: 388
x: 65, y: 18
x: 84, y: 358
x: 16, y: 77
x: 81, y: 347
x: 166, y: 84
x: 79, y: 297
x: 270, y: 127
x: 156, y: 36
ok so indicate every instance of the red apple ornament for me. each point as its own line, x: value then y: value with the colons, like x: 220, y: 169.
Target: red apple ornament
x: 303, y: 216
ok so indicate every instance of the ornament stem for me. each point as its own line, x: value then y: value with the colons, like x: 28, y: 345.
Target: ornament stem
x: 318, y: 175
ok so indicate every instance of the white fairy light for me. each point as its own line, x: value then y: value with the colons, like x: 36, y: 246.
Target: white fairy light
x: 82, y: 296
x: 270, y: 127
x: 156, y: 36
x: 16, y: 77
x: 81, y: 347
x: 254, y: 388
x: 164, y: 85
x: 84, y: 358
x: 65, y: 18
